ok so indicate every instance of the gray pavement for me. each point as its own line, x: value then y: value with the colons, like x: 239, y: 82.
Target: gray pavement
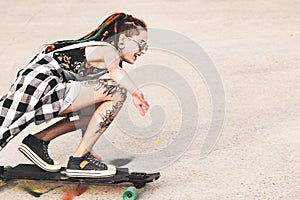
x: 255, y: 47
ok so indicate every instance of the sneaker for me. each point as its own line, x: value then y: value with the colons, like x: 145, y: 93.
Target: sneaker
x: 88, y: 166
x: 37, y: 151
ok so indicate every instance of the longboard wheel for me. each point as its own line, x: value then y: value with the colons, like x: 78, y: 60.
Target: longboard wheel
x: 131, y: 193
x: 6, y: 168
x: 4, y: 179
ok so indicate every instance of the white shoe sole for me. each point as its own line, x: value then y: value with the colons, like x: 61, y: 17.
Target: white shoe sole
x: 37, y: 160
x: 91, y: 173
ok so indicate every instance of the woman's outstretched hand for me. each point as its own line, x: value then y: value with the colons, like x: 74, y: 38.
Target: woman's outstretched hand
x: 140, y: 102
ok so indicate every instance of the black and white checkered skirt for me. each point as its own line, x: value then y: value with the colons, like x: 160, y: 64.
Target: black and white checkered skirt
x: 36, y: 96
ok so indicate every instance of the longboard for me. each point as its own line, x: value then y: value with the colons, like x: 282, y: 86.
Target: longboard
x: 32, y: 172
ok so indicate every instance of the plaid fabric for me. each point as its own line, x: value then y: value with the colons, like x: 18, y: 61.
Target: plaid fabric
x: 35, y: 96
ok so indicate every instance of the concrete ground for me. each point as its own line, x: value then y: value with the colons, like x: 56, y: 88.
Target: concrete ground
x: 255, y: 47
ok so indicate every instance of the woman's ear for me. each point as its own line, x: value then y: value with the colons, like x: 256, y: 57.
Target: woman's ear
x: 121, y: 44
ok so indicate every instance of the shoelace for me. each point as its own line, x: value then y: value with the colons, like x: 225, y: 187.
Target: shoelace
x: 96, y: 162
x: 45, y: 149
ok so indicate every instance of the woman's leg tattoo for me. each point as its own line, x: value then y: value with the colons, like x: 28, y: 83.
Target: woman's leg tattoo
x: 118, y: 95
x: 103, y: 115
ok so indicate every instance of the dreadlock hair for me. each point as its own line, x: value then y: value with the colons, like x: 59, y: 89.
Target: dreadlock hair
x: 110, y: 30
x: 114, y: 25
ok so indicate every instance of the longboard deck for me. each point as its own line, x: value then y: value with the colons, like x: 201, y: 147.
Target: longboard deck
x: 32, y: 172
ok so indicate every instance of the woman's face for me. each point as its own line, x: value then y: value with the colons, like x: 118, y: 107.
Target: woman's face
x: 134, y: 46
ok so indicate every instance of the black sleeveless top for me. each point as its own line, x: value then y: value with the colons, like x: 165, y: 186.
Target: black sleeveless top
x: 74, y: 61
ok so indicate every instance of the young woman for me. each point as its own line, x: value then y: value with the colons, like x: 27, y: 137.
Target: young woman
x: 66, y: 80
